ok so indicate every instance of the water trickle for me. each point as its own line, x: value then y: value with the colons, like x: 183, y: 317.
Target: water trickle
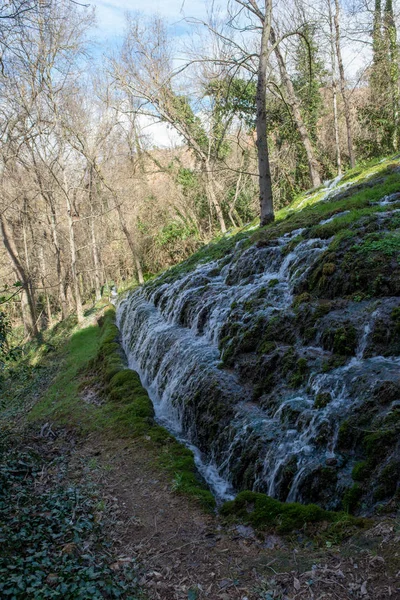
x: 333, y: 217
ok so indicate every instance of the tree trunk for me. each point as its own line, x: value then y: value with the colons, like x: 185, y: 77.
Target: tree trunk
x: 313, y: 167
x: 95, y: 251
x: 131, y: 245
x: 336, y: 128
x: 393, y: 57
x: 334, y: 92
x: 213, y: 198
x: 44, y: 286
x: 72, y: 247
x: 61, y: 290
x: 28, y: 306
x: 343, y: 90
x: 264, y: 170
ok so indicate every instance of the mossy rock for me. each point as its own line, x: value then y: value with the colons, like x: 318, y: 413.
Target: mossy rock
x: 334, y: 362
x: 319, y: 485
x: 341, y: 340
x: 386, y: 392
x: 362, y: 471
x: 273, y: 283
x: 305, y: 297
x: 265, y: 513
x: 351, y: 498
x: 125, y: 378
x: 328, y: 269
x: 378, y: 444
x: 322, y: 400
x: 299, y: 374
x: 388, y: 481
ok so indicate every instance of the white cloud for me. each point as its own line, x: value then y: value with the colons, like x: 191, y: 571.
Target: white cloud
x: 159, y: 134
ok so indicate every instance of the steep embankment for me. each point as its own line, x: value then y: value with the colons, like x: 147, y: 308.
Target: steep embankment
x: 276, y: 352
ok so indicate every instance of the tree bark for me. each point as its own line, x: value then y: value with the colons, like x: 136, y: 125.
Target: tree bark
x: 44, y: 286
x: 343, y: 90
x: 131, y: 245
x: 313, y: 167
x: 211, y: 194
x: 28, y: 306
x: 72, y: 247
x: 264, y: 170
x: 61, y: 290
x: 334, y: 92
x: 95, y: 250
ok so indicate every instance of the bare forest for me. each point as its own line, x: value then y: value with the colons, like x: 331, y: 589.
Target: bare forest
x: 264, y: 99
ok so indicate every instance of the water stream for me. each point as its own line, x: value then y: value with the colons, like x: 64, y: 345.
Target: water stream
x: 171, y: 333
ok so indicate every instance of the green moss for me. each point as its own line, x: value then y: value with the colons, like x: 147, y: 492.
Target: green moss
x: 125, y: 378
x: 341, y: 340
x: 129, y: 412
x: 387, y: 244
x: 340, y: 237
x: 299, y: 374
x: 345, y: 436
x: 334, y: 362
x: 301, y: 299
x: 328, y: 269
x: 265, y: 513
x: 273, y: 283
x: 361, y: 471
x: 306, y: 212
x: 322, y: 399
x: 266, y: 347
x: 289, y: 360
x: 378, y: 444
x: 351, y: 498
x: 395, y: 318
x: 388, y: 481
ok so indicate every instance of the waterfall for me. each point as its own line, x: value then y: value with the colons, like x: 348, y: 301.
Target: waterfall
x: 172, y: 334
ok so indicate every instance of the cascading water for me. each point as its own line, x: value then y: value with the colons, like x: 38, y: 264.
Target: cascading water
x: 172, y: 334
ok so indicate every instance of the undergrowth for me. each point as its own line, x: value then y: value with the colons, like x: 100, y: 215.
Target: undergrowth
x: 51, y: 545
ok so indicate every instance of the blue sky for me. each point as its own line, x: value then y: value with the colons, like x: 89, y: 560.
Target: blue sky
x: 110, y: 13
x: 110, y: 17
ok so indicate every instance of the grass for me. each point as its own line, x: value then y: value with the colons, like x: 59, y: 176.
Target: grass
x: 387, y: 244
x: 360, y: 204
x: 62, y: 401
x: 367, y: 183
x: 93, y: 356
x: 128, y: 411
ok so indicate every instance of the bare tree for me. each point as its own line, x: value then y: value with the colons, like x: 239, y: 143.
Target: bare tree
x: 145, y: 73
x: 332, y: 40
x: 343, y: 87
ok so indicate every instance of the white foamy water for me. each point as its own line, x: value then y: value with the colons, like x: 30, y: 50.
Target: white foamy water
x: 171, y: 333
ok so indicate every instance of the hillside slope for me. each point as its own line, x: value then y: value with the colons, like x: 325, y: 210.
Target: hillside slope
x: 276, y: 351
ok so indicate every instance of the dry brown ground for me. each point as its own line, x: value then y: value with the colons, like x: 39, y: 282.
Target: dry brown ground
x: 185, y: 554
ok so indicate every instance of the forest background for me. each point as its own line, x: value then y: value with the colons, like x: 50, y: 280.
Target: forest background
x: 89, y: 199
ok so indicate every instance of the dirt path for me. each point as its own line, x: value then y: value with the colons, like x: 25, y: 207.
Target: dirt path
x: 185, y: 553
